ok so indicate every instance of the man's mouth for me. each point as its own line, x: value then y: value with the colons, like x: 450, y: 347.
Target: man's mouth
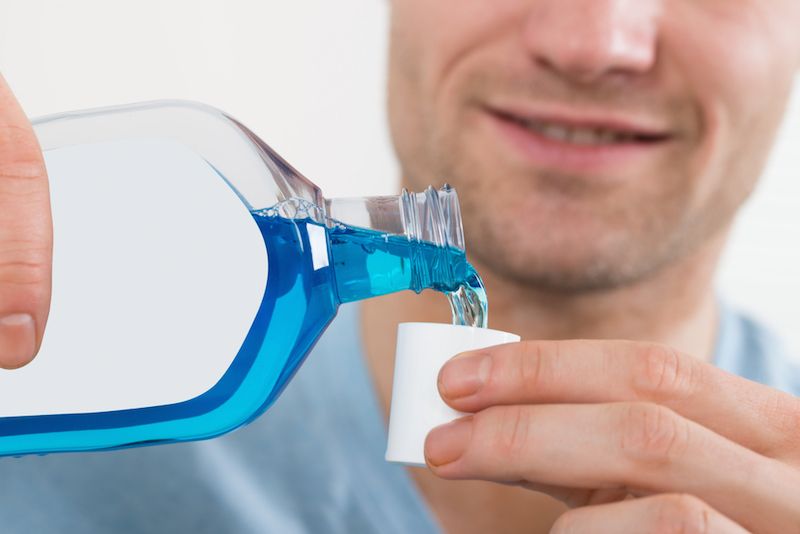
x: 576, y: 143
x: 584, y: 135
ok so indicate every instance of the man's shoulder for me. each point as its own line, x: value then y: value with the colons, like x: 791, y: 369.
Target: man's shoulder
x: 749, y: 348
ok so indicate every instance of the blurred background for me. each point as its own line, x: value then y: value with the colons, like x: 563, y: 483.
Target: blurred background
x: 308, y: 77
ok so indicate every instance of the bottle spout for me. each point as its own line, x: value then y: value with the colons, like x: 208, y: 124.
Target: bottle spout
x: 433, y: 216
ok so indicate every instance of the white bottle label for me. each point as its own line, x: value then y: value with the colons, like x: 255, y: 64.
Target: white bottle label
x: 159, y: 270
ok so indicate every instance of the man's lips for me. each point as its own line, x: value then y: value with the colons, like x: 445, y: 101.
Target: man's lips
x: 571, y: 143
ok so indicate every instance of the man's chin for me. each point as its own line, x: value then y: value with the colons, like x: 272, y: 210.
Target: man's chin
x: 570, y: 267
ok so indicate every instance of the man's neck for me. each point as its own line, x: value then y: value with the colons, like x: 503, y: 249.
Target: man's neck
x: 675, y: 306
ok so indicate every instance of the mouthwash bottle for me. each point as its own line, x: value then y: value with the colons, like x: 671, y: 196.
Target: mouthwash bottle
x: 194, y: 269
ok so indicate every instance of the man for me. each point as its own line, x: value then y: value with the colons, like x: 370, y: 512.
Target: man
x: 601, y: 149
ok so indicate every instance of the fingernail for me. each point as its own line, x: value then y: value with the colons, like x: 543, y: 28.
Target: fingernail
x: 17, y: 339
x: 445, y: 444
x: 464, y: 375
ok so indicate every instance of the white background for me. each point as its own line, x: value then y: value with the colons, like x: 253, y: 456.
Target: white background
x: 308, y: 77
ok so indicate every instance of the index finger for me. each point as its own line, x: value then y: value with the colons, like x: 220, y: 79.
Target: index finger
x: 558, y: 372
x: 25, y: 236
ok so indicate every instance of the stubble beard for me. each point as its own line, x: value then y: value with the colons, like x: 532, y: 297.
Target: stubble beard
x: 549, y: 235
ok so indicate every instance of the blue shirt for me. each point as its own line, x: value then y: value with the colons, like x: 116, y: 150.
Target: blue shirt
x: 312, y: 464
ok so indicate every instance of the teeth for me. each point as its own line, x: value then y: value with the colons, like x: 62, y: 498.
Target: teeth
x: 607, y: 136
x: 578, y: 136
x: 583, y: 136
x: 559, y: 133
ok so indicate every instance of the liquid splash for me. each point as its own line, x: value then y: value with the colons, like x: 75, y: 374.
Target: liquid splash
x: 468, y: 303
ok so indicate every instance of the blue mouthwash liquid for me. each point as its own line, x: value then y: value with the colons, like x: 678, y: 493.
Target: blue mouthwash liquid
x: 302, y: 297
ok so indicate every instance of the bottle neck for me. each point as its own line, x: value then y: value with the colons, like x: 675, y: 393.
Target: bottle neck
x: 393, y: 243
x: 433, y: 216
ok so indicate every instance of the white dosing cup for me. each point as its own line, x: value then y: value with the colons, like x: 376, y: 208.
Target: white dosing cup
x: 417, y: 407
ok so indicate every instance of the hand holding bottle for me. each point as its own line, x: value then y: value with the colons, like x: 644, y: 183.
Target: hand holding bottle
x: 25, y: 236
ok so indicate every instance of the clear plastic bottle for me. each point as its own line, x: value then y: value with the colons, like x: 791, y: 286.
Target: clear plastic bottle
x: 124, y: 381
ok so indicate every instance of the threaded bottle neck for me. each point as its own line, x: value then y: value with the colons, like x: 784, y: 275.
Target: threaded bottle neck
x: 429, y: 222
x: 433, y: 218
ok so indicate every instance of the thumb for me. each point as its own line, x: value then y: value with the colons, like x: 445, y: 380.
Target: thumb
x: 25, y: 236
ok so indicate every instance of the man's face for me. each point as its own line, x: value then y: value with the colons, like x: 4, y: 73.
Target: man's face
x: 591, y: 141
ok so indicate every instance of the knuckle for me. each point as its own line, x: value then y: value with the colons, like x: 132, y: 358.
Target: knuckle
x: 664, y: 373
x: 529, y: 365
x: 20, y: 156
x: 681, y: 514
x: 652, y: 434
x: 24, y: 264
x: 512, y: 441
x: 22, y: 178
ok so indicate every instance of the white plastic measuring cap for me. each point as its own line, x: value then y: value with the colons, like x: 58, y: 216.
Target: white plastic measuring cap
x: 417, y: 407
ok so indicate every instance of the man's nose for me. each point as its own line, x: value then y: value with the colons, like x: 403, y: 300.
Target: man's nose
x: 586, y: 40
